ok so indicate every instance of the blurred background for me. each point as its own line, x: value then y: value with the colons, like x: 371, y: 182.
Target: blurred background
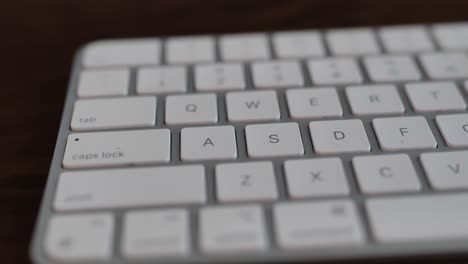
x: 38, y: 39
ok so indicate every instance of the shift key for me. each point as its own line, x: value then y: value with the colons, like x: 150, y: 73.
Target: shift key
x: 118, y: 148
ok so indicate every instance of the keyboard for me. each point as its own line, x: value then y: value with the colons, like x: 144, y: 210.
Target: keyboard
x: 313, y: 145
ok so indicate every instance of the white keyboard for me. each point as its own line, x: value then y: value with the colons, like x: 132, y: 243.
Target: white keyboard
x: 308, y: 145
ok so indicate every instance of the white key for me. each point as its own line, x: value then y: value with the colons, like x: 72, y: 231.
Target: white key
x: 334, y: 71
x: 242, y: 47
x: 117, y: 148
x: 392, y: 68
x: 208, y: 143
x: 419, y: 218
x: 386, y: 173
x: 219, y: 77
x: 352, y: 42
x: 252, y: 106
x: 317, y: 224
x: 452, y: 35
x: 190, y: 50
x: 120, y: 188
x: 232, y: 229
x: 446, y: 170
x: 271, y: 140
x: 277, y: 74
x: 110, y: 82
x: 157, y: 80
x: 245, y: 181
x: 374, y: 99
x: 83, y: 237
x: 128, y: 112
x: 313, y: 103
x: 338, y: 136
x: 191, y: 109
x: 122, y: 53
x: 435, y: 96
x: 155, y: 233
x: 298, y: 44
x: 454, y: 129
x: 448, y: 65
x: 405, y: 39
x: 401, y: 133
x: 315, y: 177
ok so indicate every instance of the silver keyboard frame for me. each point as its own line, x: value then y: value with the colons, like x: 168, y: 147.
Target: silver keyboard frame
x: 369, y: 251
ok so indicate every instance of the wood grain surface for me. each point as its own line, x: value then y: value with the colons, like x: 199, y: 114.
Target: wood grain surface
x: 38, y: 39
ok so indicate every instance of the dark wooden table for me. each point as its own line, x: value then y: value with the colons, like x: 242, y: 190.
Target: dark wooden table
x: 38, y: 39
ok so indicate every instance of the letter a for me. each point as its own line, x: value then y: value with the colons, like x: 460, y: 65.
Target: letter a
x: 208, y: 142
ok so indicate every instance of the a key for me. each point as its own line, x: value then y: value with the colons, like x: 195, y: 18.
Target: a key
x: 338, y: 136
x: 120, y: 188
x: 392, y: 68
x: 155, y: 233
x: 298, y: 44
x: 435, y: 96
x: 191, y: 109
x: 243, y: 47
x: 157, y: 80
x: 451, y: 35
x: 405, y: 39
x: 302, y: 225
x: 446, y: 170
x: 271, y: 140
x: 337, y: 71
x: 454, y: 129
x: 352, y: 42
x: 252, y: 106
x: 219, y: 77
x: 278, y: 74
x: 99, y: 83
x: 127, y: 112
x: 208, y: 143
x: 245, y: 181
x: 374, y: 99
x: 445, y: 65
x: 386, y: 173
x: 313, y: 103
x: 242, y: 229
x: 403, y: 133
x: 117, y: 148
x: 315, y: 177
x: 182, y: 50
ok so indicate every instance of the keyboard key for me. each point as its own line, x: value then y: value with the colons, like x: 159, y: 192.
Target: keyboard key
x: 219, y: 77
x: 277, y: 74
x: 452, y: 35
x: 435, y: 96
x: 252, y: 106
x: 448, y: 65
x: 313, y: 103
x: 352, y: 42
x: 403, y: 39
x: 120, y: 188
x: 317, y: 224
x: 111, y: 53
x: 190, y: 50
x: 315, y: 177
x: 157, y: 80
x: 338, y: 136
x: 454, y: 129
x: 419, y: 218
x: 83, y: 238
x: 242, y: 229
x: 392, y: 68
x: 272, y: 140
x: 245, y: 181
x: 96, y: 83
x: 374, y: 99
x: 337, y: 71
x: 208, y: 143
x: 298, y: 44
x: 117, y: 148
x: 191, y: 109
x: 446, y: 170
x: 241, y: 47
x: 386, y: 173
x: 155, y: 233
x: 403, y: 133
x: 128, y: 112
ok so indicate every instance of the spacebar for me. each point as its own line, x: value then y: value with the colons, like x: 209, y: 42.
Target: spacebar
x: 81, y: 190
x: 418, y: 218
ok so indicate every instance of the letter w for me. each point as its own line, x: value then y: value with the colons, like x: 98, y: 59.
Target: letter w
x: 254, y: 104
